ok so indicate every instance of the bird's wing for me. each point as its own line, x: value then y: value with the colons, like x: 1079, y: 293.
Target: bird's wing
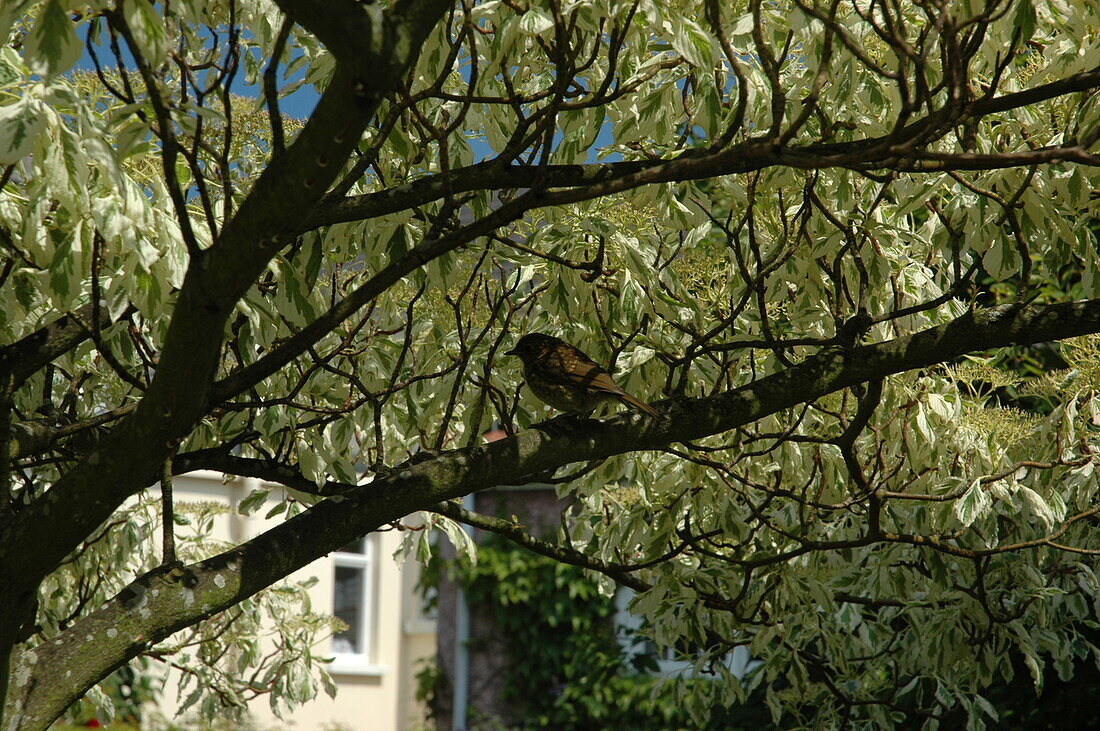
x: 578, y: 376
x: 599, y: 380
x: 571, y: 367
x: 596, y: 379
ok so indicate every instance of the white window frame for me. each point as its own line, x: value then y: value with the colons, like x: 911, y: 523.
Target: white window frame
x: 359, y: 663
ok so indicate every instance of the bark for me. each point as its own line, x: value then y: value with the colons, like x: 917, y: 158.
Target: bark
x: 30, y: 354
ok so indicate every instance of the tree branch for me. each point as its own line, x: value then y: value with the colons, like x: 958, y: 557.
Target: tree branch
x: 755, y: 154
x: 28, y: 355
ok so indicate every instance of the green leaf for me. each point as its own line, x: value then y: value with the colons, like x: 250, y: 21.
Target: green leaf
x: 694, y: 44
x: 11, y: 67
x: 20, y: 124
x: 252, y: 502
x: 973, y: 504
x: 1024, y: 20
x: 104, y: 706
x: 148, y: 29
x: 460, y: 539
x: 1038, y: 506
x: 535, y: 22
x: 741, y: 31
x: 276, y: 510
x: 64, y: 273
x: 52, y: 46
x: 328, y: 684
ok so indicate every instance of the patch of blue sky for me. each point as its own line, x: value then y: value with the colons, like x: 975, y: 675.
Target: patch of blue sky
x: 299, y: 103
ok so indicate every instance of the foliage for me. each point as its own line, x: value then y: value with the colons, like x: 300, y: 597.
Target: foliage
x: 431, y: 688
x: 565, y: 667
x: 264, y: 646
x: 130, y: 692
x: 809, y: 231
x: 1064, y: 703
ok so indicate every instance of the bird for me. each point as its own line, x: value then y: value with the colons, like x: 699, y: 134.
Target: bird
x: 567, y: 379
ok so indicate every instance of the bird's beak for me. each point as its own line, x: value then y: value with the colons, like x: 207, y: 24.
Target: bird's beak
x: 511, y: 352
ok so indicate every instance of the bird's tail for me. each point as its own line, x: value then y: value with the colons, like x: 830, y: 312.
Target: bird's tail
x: 642, y: 406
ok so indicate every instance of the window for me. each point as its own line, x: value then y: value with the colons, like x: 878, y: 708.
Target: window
x: 352, y: 602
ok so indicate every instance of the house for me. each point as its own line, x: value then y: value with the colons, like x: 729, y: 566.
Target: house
x: 388, y: 636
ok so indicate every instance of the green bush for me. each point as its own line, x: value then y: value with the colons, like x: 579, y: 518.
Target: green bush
x: 566, y: 668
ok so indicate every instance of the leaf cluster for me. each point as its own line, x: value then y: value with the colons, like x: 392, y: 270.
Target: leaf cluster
x: 564, y: 666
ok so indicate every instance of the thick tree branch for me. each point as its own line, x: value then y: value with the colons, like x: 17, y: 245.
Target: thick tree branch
x: 36, y: 436
x: 178, y: 397
x: 263, y: 469
x: 30, y: 354
x: 621, y: 574
x: 563, y: 554
x: 584, y: 182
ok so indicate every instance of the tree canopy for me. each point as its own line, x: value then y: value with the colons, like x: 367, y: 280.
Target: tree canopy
x: 817, y: 236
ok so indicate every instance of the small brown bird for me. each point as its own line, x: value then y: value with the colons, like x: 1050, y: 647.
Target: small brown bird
x: 567, y: 379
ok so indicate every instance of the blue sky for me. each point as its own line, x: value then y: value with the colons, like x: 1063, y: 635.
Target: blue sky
x: 301, y: 102
x: 298, y: 104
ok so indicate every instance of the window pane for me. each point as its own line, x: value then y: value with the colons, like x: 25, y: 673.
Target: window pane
x: 348, y: 606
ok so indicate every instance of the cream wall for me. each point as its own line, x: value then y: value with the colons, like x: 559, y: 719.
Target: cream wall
x: 377, y: 696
